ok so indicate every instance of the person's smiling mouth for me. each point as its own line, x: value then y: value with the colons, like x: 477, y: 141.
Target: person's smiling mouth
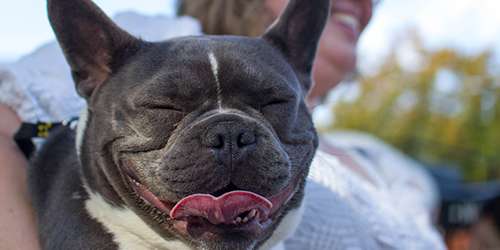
x: 350, y: 17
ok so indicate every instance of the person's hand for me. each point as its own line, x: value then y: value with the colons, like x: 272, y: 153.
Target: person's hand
x: 17, y: 228
x: 9, y: 122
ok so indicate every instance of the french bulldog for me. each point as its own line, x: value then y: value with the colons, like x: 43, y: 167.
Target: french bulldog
x: 193, y: 143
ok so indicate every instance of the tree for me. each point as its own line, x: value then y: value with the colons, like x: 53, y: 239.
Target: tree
x: 447, y: 110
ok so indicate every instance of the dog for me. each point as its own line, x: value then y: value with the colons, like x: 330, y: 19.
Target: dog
x: 197, y: 142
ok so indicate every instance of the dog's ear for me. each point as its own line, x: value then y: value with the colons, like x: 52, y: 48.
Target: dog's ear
x: 94, y: 46
x: 297, y: 33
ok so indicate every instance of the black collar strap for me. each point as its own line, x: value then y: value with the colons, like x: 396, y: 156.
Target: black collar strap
x: 41, y: 130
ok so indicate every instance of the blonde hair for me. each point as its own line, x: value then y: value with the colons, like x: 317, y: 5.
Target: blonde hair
x: 228, y: 17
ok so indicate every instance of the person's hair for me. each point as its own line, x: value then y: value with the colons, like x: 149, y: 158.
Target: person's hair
x: 228, y: 17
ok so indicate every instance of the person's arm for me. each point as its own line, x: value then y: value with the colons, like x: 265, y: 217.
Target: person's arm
x: 17, y: 221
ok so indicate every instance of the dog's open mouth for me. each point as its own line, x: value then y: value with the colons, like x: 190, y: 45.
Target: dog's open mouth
x: 227, y: 210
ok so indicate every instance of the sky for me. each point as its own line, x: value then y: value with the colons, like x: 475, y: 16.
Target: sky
x: 470, y: 26
x: 467, y: 25
x: 24, y: 25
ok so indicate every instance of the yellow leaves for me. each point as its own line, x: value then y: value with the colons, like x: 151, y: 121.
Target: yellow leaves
x: 432, y: 118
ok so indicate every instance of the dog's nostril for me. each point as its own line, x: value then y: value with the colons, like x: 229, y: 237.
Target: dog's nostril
x: 215, y: 140
x: 245, y: 139
x: 219, y: 142
x: 229, y: 137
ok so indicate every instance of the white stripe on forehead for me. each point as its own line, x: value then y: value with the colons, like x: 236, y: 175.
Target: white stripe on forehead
x: 215, y: 71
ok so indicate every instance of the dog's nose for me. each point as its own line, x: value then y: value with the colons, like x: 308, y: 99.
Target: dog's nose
x: 230, y: 135
x: 231, y: 140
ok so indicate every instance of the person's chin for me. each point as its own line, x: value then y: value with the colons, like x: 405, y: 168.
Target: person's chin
x: 335, y: 61
x: 338, y: 52
x: 326, y: 77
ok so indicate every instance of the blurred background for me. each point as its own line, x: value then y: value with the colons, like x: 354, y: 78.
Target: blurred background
x: 431, y: 76
x: 431, y: 84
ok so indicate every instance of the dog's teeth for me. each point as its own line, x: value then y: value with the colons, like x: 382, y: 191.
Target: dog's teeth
x: 252, y: 213
x: 238, y: 220
x: 250, y: 216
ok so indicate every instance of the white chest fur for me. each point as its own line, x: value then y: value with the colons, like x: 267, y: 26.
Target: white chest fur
x: 129, y: 231
x: 286, y: 228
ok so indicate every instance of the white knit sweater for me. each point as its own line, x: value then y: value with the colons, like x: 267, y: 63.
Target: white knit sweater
x: 345, y: 211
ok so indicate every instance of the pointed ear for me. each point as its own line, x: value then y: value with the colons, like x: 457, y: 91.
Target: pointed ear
x: 297, y: 33
x: 94, y: 46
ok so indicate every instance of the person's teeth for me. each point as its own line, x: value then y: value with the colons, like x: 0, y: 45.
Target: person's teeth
x: 245, y: 220
x: 348, y: 19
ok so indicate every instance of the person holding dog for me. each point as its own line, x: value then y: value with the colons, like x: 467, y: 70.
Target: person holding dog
x: 354, y: 158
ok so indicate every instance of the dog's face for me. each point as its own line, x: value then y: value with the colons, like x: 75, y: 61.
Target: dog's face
x: 207, y: 139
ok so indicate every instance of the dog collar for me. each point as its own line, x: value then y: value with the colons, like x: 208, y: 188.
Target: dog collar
x: 40, y: 130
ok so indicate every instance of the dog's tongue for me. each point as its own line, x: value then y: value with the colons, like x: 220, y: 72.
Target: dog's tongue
x: 224, y: 209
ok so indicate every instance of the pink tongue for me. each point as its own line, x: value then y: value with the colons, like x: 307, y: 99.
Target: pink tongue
x: 223, y: 209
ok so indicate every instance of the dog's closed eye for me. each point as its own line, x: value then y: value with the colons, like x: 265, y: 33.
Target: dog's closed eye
x: 275, y: 102
x: 276, y: 105
x: 165, y: 107
x: 156, y: 105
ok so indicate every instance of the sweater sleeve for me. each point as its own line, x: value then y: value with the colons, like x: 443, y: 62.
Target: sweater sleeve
x: 13, y: 95
x: 345, y: 211
x: 38, y: 87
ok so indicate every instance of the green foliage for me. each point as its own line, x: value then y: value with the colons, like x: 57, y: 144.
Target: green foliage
x: 446, y: 110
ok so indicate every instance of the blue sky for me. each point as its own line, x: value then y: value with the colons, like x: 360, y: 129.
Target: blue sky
x: 467, y: 25
x: 24, y: 25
